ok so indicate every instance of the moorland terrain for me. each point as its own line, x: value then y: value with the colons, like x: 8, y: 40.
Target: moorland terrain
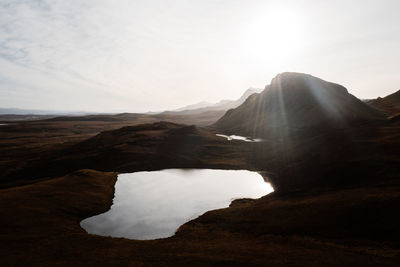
x: 333, y: 160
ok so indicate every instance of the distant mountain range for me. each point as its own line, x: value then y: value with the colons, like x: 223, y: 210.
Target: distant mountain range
x: 295, y: 103
x: 205, y: 112
x: 17, y: 114
x: 18, y: 111
x: 221, y: 105
x: 291, y: 104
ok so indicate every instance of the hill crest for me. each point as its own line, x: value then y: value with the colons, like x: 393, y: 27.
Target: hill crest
x: 295, y: 103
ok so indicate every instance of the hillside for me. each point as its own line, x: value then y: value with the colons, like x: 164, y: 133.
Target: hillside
x: 295, y: 104
x: 389, y: 104
x: 203, y: 118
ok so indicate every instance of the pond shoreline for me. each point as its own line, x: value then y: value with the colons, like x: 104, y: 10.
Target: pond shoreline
x: 139, y: 213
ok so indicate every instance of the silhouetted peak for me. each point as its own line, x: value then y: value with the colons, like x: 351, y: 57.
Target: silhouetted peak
x: 305, y: 82
x: 293, y: 103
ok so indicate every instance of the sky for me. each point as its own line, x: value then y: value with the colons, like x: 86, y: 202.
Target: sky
x: 151, y: 55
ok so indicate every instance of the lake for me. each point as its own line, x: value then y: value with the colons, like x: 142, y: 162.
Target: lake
x: 151, y: 205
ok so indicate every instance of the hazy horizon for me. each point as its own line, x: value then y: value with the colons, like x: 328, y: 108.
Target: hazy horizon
x: 140, y: 56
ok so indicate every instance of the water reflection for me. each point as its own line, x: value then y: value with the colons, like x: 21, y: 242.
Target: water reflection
x: 150, y: 205
x: 238, y: 137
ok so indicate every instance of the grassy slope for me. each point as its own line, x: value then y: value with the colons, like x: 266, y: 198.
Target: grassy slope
x: 389, y: 104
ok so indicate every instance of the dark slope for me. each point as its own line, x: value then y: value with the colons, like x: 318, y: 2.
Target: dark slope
x: 389, y: 104
x: 201, y: 118
x: 297, y: 104
x: 134, y: 148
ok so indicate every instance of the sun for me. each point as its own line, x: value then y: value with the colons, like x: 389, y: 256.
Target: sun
x: 274, y: 35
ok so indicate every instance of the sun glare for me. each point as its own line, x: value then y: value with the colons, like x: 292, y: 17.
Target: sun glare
x: 274, y: 34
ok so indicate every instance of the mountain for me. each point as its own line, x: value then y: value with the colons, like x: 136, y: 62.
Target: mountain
x: 202, y: 104
x: 202, y: 114
x: 221, y: 105
x: 295, y: 104
x: 18, y: 111
x: 389, y: 104
x: 17, y: 114
x: 32, y: 117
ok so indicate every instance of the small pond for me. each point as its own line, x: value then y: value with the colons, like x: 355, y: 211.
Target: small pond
x: 151, y: 205
x: 240, y: 138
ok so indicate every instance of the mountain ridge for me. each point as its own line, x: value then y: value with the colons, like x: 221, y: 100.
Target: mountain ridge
x: 220, y: 105
x: 295, y: 103
x: 389, y: 104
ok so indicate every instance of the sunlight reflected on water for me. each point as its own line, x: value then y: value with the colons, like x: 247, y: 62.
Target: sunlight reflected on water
x: 238, y: 137
x: 150, y: 205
